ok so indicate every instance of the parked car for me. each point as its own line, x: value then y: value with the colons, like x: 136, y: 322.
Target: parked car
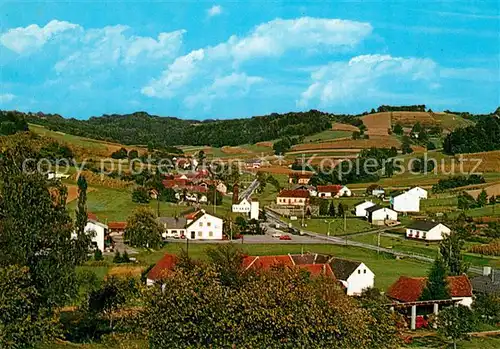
x: 277, y: 235
x: 285, y: 237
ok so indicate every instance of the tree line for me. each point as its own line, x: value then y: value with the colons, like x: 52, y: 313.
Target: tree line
x: 481, y: 137
x: 141, y: 128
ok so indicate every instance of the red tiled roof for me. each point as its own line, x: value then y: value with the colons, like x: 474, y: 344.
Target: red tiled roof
x: 267, y: 262
x: 170, y: 183
x: 334, y: 189
x: 117, y: 225
x: 409, y: 289
x: 163, y: 267
x: 318, y: 269
x: 294, y: 194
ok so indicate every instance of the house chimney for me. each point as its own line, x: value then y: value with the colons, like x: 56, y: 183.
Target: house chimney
x: 235, y: 193
x: 486, y: 271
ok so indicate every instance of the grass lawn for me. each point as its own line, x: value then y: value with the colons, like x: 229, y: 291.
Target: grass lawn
x: 327, y: 135
x: 320, y: 225
x: 386, y: 269
x: 400, y: 243
x: 116, y: 205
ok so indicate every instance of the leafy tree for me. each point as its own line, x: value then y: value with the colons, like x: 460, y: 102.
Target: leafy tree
x: 12, y: 122
x: 140, y: 195
x: 430, y: 145
x: 406, y: 146
x: 417, y: 128
x: 466, y: 201
x: 55, y: 151
x: 437, y: 285
x: 142, y: 229
x: 168, y: 195
x: 212, y: 194
x: 133, y: 154
x: 117, y: 258
x: 450, y: 249
x: 482, y: 198
x: 331, y: 209
x: 24, y: 320
x: 487, y: 308
x: 113, y: 293
x: 340, y: 210
x: 268, y: 310
x: 98, y: 255
x: 227, y: 260
x: 323, y: 207
x: 35, y: 240
x: 356, y: 135
x: 492, y: 200
x: 483, y: 136
x: 455, y: 323
x: 120, y: 154
x: 398, y: 129
x: 241, y: 222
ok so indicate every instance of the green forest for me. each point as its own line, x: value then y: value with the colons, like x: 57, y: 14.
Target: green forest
x: 143, y: 128
x: 483, y: 136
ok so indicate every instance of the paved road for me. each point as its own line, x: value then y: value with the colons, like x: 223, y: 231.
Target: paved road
x: 345, y: 241
x: 249, y: 190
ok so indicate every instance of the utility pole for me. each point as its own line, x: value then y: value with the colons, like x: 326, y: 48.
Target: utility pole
x: 345, y: 223
x: 187, y: 246
x: 378, y: 243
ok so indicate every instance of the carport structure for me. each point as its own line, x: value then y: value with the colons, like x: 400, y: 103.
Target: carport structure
x: 405, y: 307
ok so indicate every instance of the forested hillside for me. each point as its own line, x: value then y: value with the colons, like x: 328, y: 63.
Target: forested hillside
x: 142, y: 128
x: 12, y: 122
x: 484, y: 136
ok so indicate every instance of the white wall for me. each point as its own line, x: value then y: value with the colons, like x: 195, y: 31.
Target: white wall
x: 99, y: 230
x: 207, y: 227
x: 290, y: 201
x: 465, y: 301
x: 254, y: 212
x: 244, y: 206
x: 435, y: 234
x: 362, y: 278
x: 344, y: 192
x: 406, y: 203
x: 173, y: 233
x: 419, y: 192
x: 361, y: 208
x: 383, y: 214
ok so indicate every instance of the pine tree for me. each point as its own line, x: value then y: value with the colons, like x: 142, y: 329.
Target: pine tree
x: 450, y: 250
x: 437, y: 285
x: 482, y: 198
x: 331, y: 210
x: 340, y: 210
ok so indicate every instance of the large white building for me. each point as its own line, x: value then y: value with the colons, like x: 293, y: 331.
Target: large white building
x: 419, y: 192
x: 355, y: 276
x: 248, y: 207
x: 379, y: 215
x: 96, y: 229
x: 203, y: 226
x: 428, y: 231
x: 360, y: 209
x: 406, y: 202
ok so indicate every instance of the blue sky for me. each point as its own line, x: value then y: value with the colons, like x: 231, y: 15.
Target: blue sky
x: 236, y: 59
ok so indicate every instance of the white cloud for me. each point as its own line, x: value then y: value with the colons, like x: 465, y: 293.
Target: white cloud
x: 364, y: 75
x: 271, y: 39
x: 234, y: 85
x: 28, y: 39
x: 214, y: 11
x: 470, y: 74
x: 78, y: 49
x: 6, y: 97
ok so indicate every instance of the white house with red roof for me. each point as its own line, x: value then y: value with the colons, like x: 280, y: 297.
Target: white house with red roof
x: 293, y: 198
x: 333, y: 191
x: 409, y: 289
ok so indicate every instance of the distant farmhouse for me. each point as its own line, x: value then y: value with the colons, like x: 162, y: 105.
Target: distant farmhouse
x: 293, y: 198
x: 198, y: 225
x: 333, y: 191
x: 428, y: 231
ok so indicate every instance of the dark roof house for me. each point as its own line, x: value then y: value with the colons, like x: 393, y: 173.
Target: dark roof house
x: 423, y: 225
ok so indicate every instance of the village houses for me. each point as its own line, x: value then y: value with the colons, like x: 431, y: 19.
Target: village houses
x: 360, y: 209
x: 427, y: 230
x: 379, y: 215
x: 405, y: 202
x: 333, y: 191
x: 198, y: 225
x: 293, y: 198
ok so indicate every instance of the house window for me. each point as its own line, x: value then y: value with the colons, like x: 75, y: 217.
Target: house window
x: 364, y: 271
x: 209, y: 224
x: 200, y: 234
x: 424, y: 235
x: 174, y: 231
x: 201, y: 224
x: 210, y: 233
x: 359, y: 271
